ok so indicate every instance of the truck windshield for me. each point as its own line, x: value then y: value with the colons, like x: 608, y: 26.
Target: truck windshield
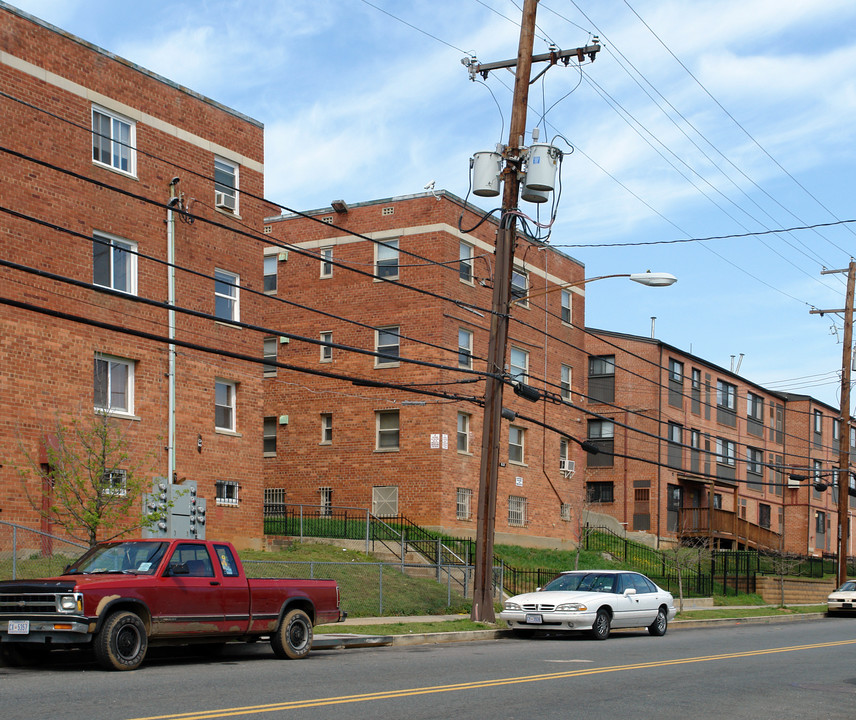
x: 138, y: 557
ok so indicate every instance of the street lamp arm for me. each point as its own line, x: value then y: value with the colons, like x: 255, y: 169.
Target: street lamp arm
x: 647, y: 278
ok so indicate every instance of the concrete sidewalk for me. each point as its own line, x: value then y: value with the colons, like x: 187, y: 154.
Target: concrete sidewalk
x: 342, y: 640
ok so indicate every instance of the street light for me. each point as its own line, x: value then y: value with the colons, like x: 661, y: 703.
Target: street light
x: 482, y: 609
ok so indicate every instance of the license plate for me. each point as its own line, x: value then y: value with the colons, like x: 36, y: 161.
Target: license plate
x: 847, y: 605
x: 19, y: 627
x: 534, y: 619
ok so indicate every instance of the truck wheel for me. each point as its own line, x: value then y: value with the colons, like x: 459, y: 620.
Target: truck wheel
x: 122, y: 643
x: 293, y: 637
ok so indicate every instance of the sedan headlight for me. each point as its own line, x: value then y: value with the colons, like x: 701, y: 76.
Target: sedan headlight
x: 571, y: 607
x: 512, y: 606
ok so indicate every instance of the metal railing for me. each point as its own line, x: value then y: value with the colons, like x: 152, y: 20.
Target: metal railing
x: 28, y: 553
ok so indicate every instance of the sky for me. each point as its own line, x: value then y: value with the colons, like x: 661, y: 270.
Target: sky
x: 696, y: 121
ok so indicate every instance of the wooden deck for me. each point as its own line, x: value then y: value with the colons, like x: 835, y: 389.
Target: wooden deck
x: 698, y: 522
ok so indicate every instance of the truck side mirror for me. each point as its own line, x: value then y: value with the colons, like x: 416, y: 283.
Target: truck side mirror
x: 176, y: 569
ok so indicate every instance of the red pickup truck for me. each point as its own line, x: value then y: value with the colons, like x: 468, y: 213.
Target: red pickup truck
x: 122, y: 596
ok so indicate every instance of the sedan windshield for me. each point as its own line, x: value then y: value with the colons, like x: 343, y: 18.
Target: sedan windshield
x: 138, y: 557
x: 584, y: 582
x: 849, y: 586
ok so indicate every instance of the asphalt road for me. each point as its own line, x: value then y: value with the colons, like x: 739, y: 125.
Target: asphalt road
x: 800, y: 670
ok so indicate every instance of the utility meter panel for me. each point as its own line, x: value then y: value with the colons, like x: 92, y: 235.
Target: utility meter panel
x: 180, y: 512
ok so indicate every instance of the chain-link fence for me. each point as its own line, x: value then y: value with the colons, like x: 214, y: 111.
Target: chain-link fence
x: 27, y: 553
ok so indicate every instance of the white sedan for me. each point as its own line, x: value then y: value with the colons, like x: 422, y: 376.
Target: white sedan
x: 593, y: 600
x: 843, y: 600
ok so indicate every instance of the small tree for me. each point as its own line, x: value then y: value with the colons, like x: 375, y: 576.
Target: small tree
x: 90, y: 487
x: 684, y: 557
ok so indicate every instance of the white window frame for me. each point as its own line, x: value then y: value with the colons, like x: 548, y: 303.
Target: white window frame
x: 516, y: 445
x: 464, y: 504
x: 326, y: 254
x: 388, y: 331
x: 269, y: 423
x: 387, y: 255
x: 118, y: 146
x: 517, y: 370
x: 232, y: 169
x: 517, y: 507
x: 726, y: 452
x: 326, y: 351
x: 270, y: 261
x: 227, y: 403
x: 224, y: 279
x: 325, y: 501
x: 112, y: 364
x: 385, y: 433
x: 114, y: 483
x: 564, y: 452
x: 567, y: 378
x: 326, y: 429
x: 465, y: 267
x: 118, y: 251
x: 227, y: 492
x: 567, y: 309
x: 726, y: 395
x: 463, y: 433
x: 465, y: 348
x: 520, y: 286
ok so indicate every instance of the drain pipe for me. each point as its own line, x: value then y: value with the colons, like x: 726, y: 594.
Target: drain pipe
x: 174, y: 200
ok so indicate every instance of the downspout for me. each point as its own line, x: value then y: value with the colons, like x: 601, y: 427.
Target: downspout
x: 170, y: 256
x: 659, y: 437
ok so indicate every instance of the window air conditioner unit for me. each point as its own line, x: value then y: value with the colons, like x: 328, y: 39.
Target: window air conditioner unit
x: 224, y: 201
x: 567, y: 468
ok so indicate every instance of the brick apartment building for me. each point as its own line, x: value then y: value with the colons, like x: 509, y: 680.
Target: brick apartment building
x: 698, y: 452
x: 90, y: 146
x: 399, y: 280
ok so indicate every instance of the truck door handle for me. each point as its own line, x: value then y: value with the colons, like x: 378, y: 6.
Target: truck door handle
x: 214, y: 582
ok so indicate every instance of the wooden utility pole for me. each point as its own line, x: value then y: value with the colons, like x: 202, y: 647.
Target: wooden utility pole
x: 843, y: 479
x: 489, y: 468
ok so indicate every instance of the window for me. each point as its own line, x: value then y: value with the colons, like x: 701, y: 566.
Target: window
x: 224, y: 405
x: 519, y: 365
x: 726, y: 403
x: 520, y: 286
x: 565, y: 512
x: 755, y: 414
x: 114, y: 141
x: 225, y: 185
x: 226, y: 286
x: 113, y: 384
x: 817, y: 478
x: 274, y: 501
x: 114, y: 263
x: 600, y: 492
x: 764, y: 515
x: 564, y: 452
x: 385, y: 500
x: 836, y: 429
x: 463, y: 433
x: 754, y: 469
x: 601, y: 434
x: 326, y: 262
x: 226, y: 560
x: 676, y: 383
x: 601, y: 378
x: 566, y: 382
x: 387, y: 344
x: 516, y: 442
x: 465, y: 348
x: 566, y: 307
x: 820, y: 523
x: 465, y: 269
x: 270, y: 264
x: 269, y: 436
x: 817, y: 426
x: 516, y: 511
x: 386, y: 259
x: 676, y: 371
x: 226, y: 492
x: 386, y: 423
x: 726, y: 452
x: 115, y: 482
x: 269, y: 352
x: 675, y: 449
x: 326, y: 494
x: 326, y: 350
x: 464, y: 501
x: 326, y: 428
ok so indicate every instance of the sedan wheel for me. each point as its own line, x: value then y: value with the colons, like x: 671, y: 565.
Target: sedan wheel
x: 660, y: 624
x: 600, y: 629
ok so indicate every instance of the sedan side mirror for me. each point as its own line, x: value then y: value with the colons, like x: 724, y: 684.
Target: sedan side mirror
x: 630, y: 591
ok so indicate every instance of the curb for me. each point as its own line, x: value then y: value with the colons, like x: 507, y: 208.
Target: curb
x: 341, y: 641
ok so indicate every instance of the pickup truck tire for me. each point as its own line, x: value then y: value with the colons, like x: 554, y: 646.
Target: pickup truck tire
x: 122, y: 642
x: 293, y: 637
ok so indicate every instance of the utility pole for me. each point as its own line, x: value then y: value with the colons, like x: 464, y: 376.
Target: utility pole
x: 844, y: 430
x: 505, y: 237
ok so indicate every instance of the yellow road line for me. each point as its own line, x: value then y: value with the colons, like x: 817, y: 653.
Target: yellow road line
x: 479, y: 684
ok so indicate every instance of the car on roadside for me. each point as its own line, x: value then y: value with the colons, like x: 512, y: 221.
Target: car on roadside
x: 843, y: 600
x: 591, y: 600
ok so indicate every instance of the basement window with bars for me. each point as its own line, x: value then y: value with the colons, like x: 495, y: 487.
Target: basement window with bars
x: 464, y: 509
x: 227, y: 492
x: 517, y: 511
